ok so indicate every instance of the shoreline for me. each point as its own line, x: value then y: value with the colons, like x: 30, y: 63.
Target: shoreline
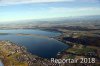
x: 12, y: 54
x: 72, y: 46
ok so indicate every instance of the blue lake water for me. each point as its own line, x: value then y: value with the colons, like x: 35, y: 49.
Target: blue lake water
x: 1, y: 64
x: 41, y: 46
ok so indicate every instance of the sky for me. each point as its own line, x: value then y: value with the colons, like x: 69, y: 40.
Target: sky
x: 14, y: 10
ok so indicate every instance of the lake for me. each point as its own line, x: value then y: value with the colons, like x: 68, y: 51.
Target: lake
x: 1, y: 64
x: 35, y: 44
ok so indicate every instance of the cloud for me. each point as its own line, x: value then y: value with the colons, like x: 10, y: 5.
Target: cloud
x: 70, y: 10
x: 10, y: 2
x: 90, y: 0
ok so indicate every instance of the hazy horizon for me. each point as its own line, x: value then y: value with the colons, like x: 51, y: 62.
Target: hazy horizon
x: 15, y: 10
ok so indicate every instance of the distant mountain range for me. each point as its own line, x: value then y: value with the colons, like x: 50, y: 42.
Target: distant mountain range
x: 74, y: 22
x: 92, y: 18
